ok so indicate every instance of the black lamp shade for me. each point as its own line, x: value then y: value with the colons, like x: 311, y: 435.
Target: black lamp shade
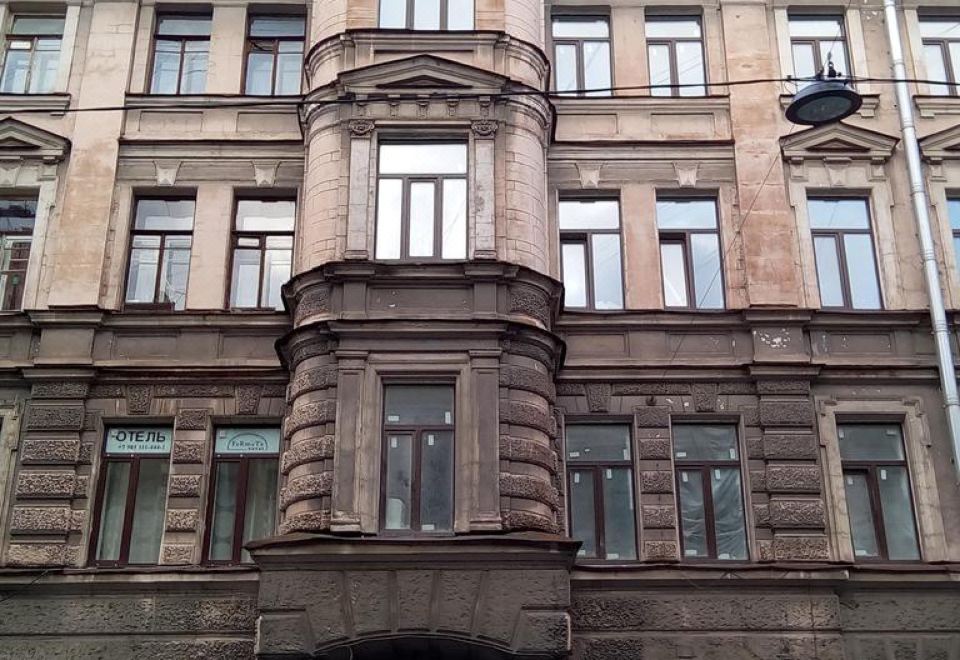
x: 823, y: 102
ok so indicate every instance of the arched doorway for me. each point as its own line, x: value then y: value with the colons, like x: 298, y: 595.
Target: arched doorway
x: 420, y: 647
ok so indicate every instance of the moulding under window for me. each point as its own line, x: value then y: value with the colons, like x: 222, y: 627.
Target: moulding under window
x: 931, y: 106
x: 673, y: 104
x: 152, y: 149
x: 867, y: 111
x: 175, y: 102
x: 55, y: 104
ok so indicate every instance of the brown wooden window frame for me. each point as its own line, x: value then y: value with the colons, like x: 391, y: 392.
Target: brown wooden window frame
x: 671, y: 44
x: 682, y: 237
x: 578, y: 44
x: 816, y: 42
x: 12, y: 297
x: 261, y: 236
x: 953, y: 77
x: 274, y: 49
x: 10, y: 36
x: 585, y: 237
x: 869, y: 468
x: 163, y: 234
x: 417, y: 433
x: 182, y: 39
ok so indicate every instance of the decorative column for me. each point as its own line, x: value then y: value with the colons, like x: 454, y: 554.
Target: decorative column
x: 484, y: 189
x: 359, y: 206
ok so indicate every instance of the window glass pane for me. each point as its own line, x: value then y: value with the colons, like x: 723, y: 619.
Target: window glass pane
x: 424, y: 158
x: 276, y: 270
x: 193, y: 79
x: 165, y: 214
x: 707, y: 277
x: 389, y: 207
x: 566, y: 67
x: 14, y: 256
x: 148, y: 512
x: 265, y: 214
x: 289, y: 71
x: 574, y: 274
x: 704, y: 442
x: 690, y: 68
x: 112, y: 510
x: 619, y: 535
x: 245, y: 278
x: 870, y: 442
x: 597, y: 442
x: 399, y: 480
x: 728, y: 521
x: 459, y: 14
x: 693, y: 519
x: 45, y: 61
x: 17, y: 215
x: 426, y: 14
x: 933, y: 56
x: 224, y: 511
x: 183, y: 25
x: 834, y: 51
x: 37, y: 25
x: 261, y: 504
x: 956, y: 249
x: 580, y: 28
x: 838, y: 214
x: 596, y: 67
x: 454, y: 235
x: 673, y: 28
x: 953, y: 210
x: 419, y: 404
x: 583, y: 525
x: 898, y: 522
x: 276, y: 26
x: 393, y: 14
x: 166, y: 67
x: 589, y: 214
x: 15, y: 69
x: 827, y: 27
x: 804, y: 64
x: 861, y: 271
x: 436, y: 481
x: 674, y: 275
x: 142, y: 278
x: 607, y: 272
x: 174, y: 271
x: 828, y: 271
x: 259, y: 75
x: 659, y: 59
x: 686, y: 214
x: 860, y: 512
x: 422, y: 197
x: 940, y: 29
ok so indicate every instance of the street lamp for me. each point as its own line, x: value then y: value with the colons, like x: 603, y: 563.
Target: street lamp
x: 824, y: 101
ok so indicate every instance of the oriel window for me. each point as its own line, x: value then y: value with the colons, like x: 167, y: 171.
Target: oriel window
x: 600, y: 485
x: 422, y: 201
x: 846, y: 267
x: 243, y: 494
x: 816, y: 40
x: 181, y: 49
x: 877, y: 488
x: 590, y: 253
x: 690, y: 259
x: 262, y: 252
x: 131, y: 496
x: 17, y: 218
x: 274, y: 55
x: 418, y: 454
x: 712, y: 520
x: 32, y: 54
x: 941, y: 52
x: 160, y: 253
x: 675, y: 55
x: 581, y: 54
x: 426, y: 14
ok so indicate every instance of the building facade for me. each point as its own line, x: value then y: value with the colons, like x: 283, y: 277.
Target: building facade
x: 472, y: 329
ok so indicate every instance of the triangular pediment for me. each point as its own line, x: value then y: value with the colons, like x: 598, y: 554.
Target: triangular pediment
x: 22, y: 140
x: 943, y: 144
x: 838, y: 139
x: 420, y: 73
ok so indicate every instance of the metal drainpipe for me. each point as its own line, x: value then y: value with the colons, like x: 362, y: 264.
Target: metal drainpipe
x: 918, y: 192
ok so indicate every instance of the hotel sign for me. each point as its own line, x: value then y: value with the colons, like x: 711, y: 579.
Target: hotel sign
x: 139, y: 440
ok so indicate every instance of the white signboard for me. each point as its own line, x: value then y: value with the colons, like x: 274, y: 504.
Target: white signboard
x: 139, y: 440
x: 248, y: 441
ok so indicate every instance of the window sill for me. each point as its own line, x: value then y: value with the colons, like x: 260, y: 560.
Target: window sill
x: 932, y: 106
x: 55, y: 104
x: 867, y: 111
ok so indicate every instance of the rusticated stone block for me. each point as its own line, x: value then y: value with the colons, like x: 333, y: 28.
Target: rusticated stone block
x: 193, y: 390
x: 308, y: 451
x: 658, y: 516
x: 187, y: 452
x: 754, y: 447
x: 81, y: 486
x: 529, y: 415
x: 656, y: 481
x: 91, y: 420
x: 522, y: 450
x: 139, y: 398
x: 705, y: 397
x: 517, y: 521
x: 46, y: 484
x: 55, y: 418
x: 273, y: 390
x: 308, y: 521
x: 305, y: 415
x: 736, y: 388
x: 192, y: 419
x: 528, y: 488
x: 765, y: 550
x: 85, y: 456
x: 797, y: 513
x: 646, y: 389
x: 50, y: 450
x: 790, y: 447
x: 182, y: 520
x: 103, y: 391
x: 661, y: 551
x: 783, y: 387
x: 800, y: 548
x: 77, y: 519
x: 185, y: 485
x: 758, y: 481
x: 598, y: 397
x: 248, y: 399
x: 40, y: 520
x: 59, y: 390
x: 36, y: 554
x: 655, y: 448
x: 652, y: 416
x: 529, y: 380
x: 531, y: 302
x: 761, y: 515
x: 307, y: 487
x: 793, y: 478
x: 570, y: 389
x: 750, y: 415
x: 786, y: 413
x: 176, y: 554
x: 314, y: 301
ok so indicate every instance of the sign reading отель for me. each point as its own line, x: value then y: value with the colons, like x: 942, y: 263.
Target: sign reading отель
x: 139, y: 440
x: 248, y: 441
